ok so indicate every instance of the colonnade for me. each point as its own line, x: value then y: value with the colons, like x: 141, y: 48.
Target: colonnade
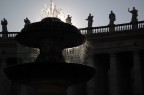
x: 118, y: 73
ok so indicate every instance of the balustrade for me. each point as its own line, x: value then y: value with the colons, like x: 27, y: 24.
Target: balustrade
x: 115, y: 28
x: 94, y: 30
x: 8, y: 34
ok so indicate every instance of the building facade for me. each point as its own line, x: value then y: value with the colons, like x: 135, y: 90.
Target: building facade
x: 116, y: 52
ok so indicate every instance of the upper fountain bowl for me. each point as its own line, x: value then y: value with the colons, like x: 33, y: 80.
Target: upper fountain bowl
x: 52, y: 29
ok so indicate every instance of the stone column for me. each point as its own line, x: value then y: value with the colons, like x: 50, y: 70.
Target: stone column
x: 3, y: 63
x: 4, y: 82
x: 113, y: 78
x: 91, y: 84
x: 137, y: 73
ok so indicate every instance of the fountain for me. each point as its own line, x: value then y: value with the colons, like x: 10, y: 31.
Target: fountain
x: 50, y: 74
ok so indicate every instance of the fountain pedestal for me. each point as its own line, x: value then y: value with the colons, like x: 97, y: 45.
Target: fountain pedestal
x: 52, y: 88
x: 49, y: 74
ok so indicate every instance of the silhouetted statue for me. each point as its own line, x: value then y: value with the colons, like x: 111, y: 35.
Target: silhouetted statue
x: 90, y: 20
x: 112, y: 18
x: 4, y: 25
x: 27, y: 21
x: 134, y: 15
x: 68, y: 19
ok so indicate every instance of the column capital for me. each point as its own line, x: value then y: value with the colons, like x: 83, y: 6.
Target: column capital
x: 136, y: 51
x: 113, y: 54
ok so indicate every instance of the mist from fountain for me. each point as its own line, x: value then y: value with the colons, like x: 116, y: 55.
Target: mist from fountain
x: 26, y: 54
x: 76, y: 54
x: 71, y: 55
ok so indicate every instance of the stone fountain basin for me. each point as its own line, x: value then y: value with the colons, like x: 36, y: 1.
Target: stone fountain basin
x: 69, y: 72
x: 53, y: 29
x: 64, y: 39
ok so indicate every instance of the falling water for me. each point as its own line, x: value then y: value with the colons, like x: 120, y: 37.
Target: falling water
x: 72, y: 55
x: 76, y: 54
x: 26, y: 54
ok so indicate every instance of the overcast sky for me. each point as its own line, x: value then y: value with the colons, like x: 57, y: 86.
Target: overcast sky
x: 15, y: 11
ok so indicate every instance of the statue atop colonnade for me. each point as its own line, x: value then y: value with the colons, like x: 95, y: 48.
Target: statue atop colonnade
x: 134, y: 13
x: 90, y: 20
x: 4, y: 25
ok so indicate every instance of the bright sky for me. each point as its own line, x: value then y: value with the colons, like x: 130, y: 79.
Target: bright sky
x: 15, y: 11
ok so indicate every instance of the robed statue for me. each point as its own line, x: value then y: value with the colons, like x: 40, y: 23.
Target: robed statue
x: 90, y: 20
x: 68, y: 19
x: 4, y: 25
x: 112, y: 18
x: 27, y: 21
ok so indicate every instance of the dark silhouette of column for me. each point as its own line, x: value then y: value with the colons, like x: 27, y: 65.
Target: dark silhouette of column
x: 101, y: 77
x: 125, y: 77
x: 142, y: 68
x: 4, y: 83
x: 91, y: 85
x: 113, y: 77
x: 137, y: 73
